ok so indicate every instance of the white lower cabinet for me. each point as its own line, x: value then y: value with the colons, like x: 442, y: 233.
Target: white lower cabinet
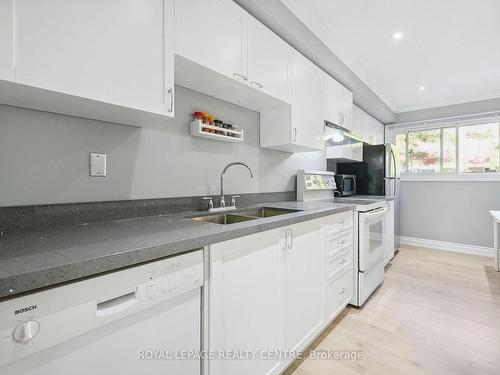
x: 338, y: 292
x: 304, y: 277
x: 246, y: 302
x: 269, y: 293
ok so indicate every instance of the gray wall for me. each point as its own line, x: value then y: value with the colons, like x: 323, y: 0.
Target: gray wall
x: 275, y: 15
x: 44, y: 157
x: 449, y: 211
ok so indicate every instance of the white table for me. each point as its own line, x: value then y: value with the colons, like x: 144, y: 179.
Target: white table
x: 496, y: 221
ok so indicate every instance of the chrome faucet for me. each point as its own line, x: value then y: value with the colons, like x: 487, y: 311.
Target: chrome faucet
x: 222, y: 201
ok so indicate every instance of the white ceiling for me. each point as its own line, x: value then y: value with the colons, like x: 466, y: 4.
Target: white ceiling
x: 452, y: 47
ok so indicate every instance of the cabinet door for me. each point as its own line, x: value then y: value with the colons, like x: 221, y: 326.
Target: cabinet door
x: 307, y: 103
x: 379, y: 133
x: 346, y: 107
x: 6, y: 39
x: 357, y: 122
x: 213, y: 34
x: 338, y: 103
x: 111, y: 51
x: 246, y: 301
x: 269, y: 61
x: 304, y: 284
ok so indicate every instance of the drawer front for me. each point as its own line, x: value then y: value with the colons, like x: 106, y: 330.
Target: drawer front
x: 338, y: 293
x: 337, y: 242
x: 338, y: 261
x: 339, y: 222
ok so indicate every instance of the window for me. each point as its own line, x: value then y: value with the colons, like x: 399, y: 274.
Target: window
x: 462, y: 148
x: 478, y: 148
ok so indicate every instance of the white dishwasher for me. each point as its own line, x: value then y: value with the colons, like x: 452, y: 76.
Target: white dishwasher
x: 141, y: 320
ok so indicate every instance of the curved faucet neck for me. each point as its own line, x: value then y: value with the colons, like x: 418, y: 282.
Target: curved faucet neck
x: 226, y: 168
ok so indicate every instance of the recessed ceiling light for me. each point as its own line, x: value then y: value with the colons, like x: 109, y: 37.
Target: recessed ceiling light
x: 398, y: 35
x: 421, y: 88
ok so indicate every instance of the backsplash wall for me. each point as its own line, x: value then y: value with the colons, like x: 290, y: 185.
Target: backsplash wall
x: 44, y: 157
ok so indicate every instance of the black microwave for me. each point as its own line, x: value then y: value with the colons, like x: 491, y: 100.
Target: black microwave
x: 346, y: 184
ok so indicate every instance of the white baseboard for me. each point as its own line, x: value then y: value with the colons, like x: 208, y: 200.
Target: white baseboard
x: 448, y: 246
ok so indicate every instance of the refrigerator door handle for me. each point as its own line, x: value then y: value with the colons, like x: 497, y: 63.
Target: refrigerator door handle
x: 396, y: 169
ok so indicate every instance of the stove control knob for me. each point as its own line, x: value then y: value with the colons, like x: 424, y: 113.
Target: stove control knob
x: 26, y: 331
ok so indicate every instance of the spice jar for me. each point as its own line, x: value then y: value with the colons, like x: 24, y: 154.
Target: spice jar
x: 218, y: 123
x: 211, y: 119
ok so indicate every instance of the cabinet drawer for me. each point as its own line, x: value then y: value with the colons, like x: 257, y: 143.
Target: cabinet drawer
x: 338, y: 222
x: 338, y: 293
x: 338, y: 261
x: 335, y: 243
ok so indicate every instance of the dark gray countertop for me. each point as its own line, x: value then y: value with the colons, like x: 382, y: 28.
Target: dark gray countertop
x: 41, y: 258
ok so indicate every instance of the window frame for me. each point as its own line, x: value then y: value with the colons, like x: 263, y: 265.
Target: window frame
x: 446, y: 176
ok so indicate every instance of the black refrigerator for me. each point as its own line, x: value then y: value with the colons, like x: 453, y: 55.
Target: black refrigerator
x: 377, y: 174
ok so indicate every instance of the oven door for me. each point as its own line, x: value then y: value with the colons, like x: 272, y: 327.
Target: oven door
x: 371, y: 238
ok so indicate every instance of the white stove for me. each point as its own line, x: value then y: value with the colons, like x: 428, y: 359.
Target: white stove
x: 369, y: 229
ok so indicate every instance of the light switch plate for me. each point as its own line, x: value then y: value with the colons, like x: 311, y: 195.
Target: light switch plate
x: 97, y: 167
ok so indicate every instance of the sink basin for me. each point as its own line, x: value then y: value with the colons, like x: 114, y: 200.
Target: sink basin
x: 224, y: 218
x: 266, y: 211
x: 243, y: 215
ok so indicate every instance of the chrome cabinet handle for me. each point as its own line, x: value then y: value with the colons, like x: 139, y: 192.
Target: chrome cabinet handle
x: 341, y: 242
x: 341, y: 222
x: 290, y: 245
x: 341, y: 291
x: 341, y: 118
x: 284, y: 240
x: 259, y: 85
x: 171, y: 94
x: 241, y: 76
x: 294, y: 134
x: 341, y: 262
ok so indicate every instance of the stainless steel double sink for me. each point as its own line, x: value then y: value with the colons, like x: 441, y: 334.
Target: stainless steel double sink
x: 243, y: 215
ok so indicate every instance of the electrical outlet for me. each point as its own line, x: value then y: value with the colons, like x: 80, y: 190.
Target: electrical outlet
x: 97, y: 164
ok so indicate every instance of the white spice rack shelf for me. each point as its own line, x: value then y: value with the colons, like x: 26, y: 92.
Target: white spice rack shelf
x: 197, y: 127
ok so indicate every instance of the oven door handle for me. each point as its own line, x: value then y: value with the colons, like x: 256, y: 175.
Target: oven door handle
x: 377, y: 212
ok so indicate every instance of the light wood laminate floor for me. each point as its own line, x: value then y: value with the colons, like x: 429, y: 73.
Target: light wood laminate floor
x: 437, y: 312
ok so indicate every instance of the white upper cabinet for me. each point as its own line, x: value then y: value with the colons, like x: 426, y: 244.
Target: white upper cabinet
x: 224, y: 52
x: 307, y: 104
x: 6, y: 39
x: 213, y: 34
x: 372, y: 131
x: 298, y: 127
x: 269, y: 61
x: 106, y: 60
x: 338, y: 104
x: 110, y: 51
